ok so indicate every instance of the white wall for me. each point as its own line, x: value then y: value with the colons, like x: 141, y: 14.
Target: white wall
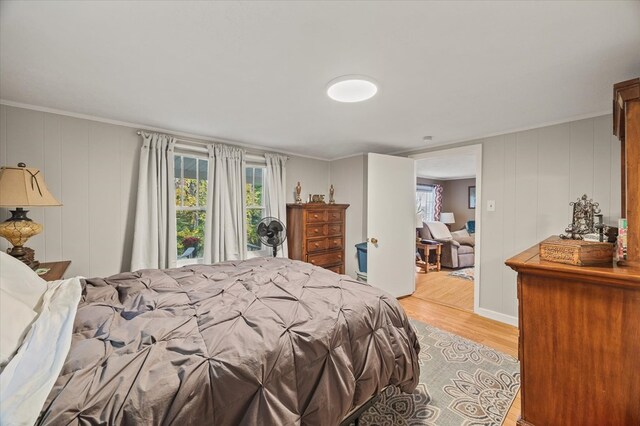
x: 348, y: 177
x: 532, y: 176
x: 92, y: 168
x: 312, y: 174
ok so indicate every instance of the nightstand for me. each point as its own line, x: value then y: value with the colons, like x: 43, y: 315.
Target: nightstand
x: 56, y: 270
x: 427, y: 246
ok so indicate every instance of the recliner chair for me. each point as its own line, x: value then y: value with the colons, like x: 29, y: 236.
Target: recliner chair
x: 454, y: 255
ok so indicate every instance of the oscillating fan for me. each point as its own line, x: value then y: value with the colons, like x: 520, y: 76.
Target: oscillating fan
x: 272, y: 233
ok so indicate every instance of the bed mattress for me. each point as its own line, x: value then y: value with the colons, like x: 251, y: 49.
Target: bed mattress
x: 265, y: 341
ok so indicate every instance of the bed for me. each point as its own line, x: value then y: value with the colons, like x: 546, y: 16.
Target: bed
x: 264, y: 341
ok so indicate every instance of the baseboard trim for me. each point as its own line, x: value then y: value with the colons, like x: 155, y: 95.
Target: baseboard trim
x: 488, y: 313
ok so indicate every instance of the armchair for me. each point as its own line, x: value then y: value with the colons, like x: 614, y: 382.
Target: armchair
x: 454, y: 254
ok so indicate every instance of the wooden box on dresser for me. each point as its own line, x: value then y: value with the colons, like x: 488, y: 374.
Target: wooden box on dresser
x: 316, y: 234
x: 579, y: 345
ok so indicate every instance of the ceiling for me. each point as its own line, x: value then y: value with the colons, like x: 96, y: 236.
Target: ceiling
x: 256, y: 72
x: 447, y: 166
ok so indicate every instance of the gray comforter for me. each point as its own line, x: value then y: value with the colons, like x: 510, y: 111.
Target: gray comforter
x: 264, y: 341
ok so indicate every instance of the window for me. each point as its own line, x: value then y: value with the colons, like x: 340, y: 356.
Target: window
x: 255, y: 206
x: 191, y: 200
x: 191, y: 210
x: 426, y: 202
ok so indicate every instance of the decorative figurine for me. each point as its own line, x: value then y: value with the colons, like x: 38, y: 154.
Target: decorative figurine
x: 298, y: 190
x: 331, y: 191
x: 585, y: 210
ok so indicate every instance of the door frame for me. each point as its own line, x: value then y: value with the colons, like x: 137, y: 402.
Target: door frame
x: 476, y: 150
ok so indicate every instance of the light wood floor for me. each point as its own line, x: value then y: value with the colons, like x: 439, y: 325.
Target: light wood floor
x: 441, y: 288
x: 491, y: 333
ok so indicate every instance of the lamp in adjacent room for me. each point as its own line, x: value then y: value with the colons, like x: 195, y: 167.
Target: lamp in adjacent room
x: 447, y: 219
x: 22, y: 187
x: 419, y: 225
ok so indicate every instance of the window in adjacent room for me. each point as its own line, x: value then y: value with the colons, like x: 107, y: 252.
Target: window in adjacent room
x: 255, y: 206
x: 426, y: 202
x: 191, y: 200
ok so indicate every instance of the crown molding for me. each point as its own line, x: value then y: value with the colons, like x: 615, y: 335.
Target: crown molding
x: 194, y: 137
x: 203, y: 139
x: 501, y: 133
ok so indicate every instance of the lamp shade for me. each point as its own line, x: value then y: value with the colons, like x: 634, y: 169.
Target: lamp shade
x: 447, y: 218
x: 23, y: 187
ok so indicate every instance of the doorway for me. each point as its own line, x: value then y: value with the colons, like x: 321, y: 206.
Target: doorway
x: 448, y: 226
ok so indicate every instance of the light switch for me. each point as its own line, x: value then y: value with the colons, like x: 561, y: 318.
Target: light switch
x: 491, y: 205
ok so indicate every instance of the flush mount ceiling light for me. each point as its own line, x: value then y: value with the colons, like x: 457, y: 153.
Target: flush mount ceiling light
x: 352, y: 88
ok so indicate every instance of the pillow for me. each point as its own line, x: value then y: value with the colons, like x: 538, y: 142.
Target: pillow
x: 466, y: 241
x: 439, y: 231
x: 20, y: 281
x: 21, y: 292
x: 16, y: 317
x: 29, y: 377
x: 460, y: 233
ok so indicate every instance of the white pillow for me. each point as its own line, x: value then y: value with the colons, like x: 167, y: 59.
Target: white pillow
x: 20, y: 281
x: 21, y: 291
x: 29, y: 377
x: 439, y: 231
x: 16, y: 320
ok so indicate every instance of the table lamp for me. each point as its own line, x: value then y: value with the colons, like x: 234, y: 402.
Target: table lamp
x: 419, y: 225
x: 22, y: 187
x: 447, y: 218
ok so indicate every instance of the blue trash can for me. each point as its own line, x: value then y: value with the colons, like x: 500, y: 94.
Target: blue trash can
x: 362, y: 257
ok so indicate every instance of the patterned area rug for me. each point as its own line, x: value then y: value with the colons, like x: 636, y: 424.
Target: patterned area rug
x: 461, y: 383
x: 466, y: 273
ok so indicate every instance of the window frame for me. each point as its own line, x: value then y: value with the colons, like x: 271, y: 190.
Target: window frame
x: 265, y: 251
x: 427, y: 188
x: 178, y: 208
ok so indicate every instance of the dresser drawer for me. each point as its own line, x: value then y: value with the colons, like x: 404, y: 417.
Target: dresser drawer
x: 335, y: 215
x: 336, y: 269
x: 317, y: 245
x: 316, y: 216
x: 325, y: 259
x: 334, y: 229
x: 317, y: 230
x: 334, y: 243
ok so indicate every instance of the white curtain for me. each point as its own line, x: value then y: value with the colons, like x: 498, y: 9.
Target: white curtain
x: 225, y: 228
x: 275, y: 192
x: 154, y: 235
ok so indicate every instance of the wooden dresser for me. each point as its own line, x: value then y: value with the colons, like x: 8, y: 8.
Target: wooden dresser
x: 316, y: 234
x: 579, y: 345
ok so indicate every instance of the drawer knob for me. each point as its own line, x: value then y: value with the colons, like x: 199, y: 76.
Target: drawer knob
x: 317, y: 244
x: 315, y: 216
x: 339, y: 256
x: 313, y: 261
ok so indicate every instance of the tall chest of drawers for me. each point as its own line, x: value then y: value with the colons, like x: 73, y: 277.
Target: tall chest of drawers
x: 316, y: 234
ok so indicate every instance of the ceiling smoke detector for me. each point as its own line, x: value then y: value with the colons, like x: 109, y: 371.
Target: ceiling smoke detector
x: 352, y: 88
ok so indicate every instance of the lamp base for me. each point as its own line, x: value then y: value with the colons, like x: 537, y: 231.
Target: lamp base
x: 17, y: 230
x: 25, y: 255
